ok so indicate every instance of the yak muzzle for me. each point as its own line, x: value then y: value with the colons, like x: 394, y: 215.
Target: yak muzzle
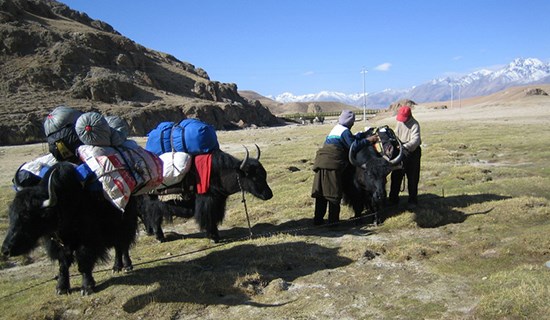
x: 268, y: 194
x: 6, y: 251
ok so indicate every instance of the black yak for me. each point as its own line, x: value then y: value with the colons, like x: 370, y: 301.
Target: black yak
x: 228, y: 176
x: 153, y: 212
x: 366, y: 179
x: 75, y: 224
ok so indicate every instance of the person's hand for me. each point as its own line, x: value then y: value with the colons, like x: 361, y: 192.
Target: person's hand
x: 373, y: 139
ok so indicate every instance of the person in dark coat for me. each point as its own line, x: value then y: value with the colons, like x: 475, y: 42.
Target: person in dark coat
x: 330, y: 162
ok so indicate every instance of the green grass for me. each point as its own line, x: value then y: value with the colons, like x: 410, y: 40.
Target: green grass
x: 522, y: 292
x: 481, y: 231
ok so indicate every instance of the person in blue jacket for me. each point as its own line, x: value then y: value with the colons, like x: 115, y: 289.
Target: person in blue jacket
x: 330, y: 162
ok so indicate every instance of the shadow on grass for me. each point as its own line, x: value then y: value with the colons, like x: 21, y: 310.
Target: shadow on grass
x: 303, y: 227
x: 224, y: 276
x: 435, y: 211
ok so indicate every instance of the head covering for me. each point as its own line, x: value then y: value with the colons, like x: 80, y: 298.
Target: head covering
x: 403, y: 114
x: 347, y: 118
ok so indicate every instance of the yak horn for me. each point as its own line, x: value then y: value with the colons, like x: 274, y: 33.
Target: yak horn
x: 52, y: 197
x: 16, y: 181
x: 351, y: 156
x: 258, y: 152
x: 399, y: 157
x: 245, y: 160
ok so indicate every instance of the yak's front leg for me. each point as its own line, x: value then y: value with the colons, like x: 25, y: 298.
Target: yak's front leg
x: 122, y: 260
x: 86, y: 263
x: 213, y: 233
x: 65, y: 257
x: 88, y: 283
x: 63, y: 278
x: 375, y: 209
x: 209, y: 212
x: 159, y: 234
x: 216, y: 216
x: 358, y: 209
x: 126, y: 261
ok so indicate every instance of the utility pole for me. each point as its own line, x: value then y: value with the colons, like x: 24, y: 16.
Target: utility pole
x: 364, y: 72
x: 460, y: 96
x: 451, y: 84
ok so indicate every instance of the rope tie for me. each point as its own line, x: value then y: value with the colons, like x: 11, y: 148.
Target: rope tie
x: 244, y: 204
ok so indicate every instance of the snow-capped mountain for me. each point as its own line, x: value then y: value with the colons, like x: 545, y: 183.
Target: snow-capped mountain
x: 321, y: 96
x: 482, y: 82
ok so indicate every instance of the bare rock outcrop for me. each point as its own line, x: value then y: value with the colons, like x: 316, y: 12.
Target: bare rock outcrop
x: 404, y: 102
x: 51, y: 55
x: 536, y: 92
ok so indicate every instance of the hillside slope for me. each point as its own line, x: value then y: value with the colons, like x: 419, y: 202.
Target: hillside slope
x: 51, y: 55
x: 507, y: 96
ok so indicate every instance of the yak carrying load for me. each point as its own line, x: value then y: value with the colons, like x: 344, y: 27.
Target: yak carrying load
x: 214, y: 174
x: 99, y: 149
x: 104, y: 157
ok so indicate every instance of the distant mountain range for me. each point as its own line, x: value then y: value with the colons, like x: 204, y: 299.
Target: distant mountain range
x: 483, y: 82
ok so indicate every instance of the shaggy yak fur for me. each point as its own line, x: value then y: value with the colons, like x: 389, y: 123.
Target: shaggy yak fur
x: 74, y: 224
x: 228, y: 176
x: 367, y: 174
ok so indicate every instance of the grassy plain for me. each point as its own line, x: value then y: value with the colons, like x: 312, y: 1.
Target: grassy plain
x: 475, y: 248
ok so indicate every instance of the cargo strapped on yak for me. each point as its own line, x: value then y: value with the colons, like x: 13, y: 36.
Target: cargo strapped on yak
x: 61, y: 134
x: 31, y: 173
x: 191, y: 136
x: 387, y: 144
x: 124, y: 170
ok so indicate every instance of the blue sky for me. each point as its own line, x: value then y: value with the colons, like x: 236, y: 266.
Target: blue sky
x: 307, y: 46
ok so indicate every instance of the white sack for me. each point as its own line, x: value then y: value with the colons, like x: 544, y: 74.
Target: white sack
x: 175, y: 167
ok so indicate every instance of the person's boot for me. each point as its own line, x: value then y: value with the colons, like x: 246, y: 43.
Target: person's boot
x: 333, y: 212
x: 319, y: 213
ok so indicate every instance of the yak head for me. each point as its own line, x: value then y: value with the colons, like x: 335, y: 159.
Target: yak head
x: 34, y: 212
x: 372, y: 169
x: 231, y: 175
x: 30, y: 218
x: 252, y: 176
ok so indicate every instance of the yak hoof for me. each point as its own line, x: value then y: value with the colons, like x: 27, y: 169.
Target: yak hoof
x: 63, y: 287
x: 377, y: 221
x: 62, y: 291
x: 214, y: 236
x: 87, y: 291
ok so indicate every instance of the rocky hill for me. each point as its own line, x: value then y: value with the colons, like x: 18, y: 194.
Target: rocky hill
x: 51, y: 55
